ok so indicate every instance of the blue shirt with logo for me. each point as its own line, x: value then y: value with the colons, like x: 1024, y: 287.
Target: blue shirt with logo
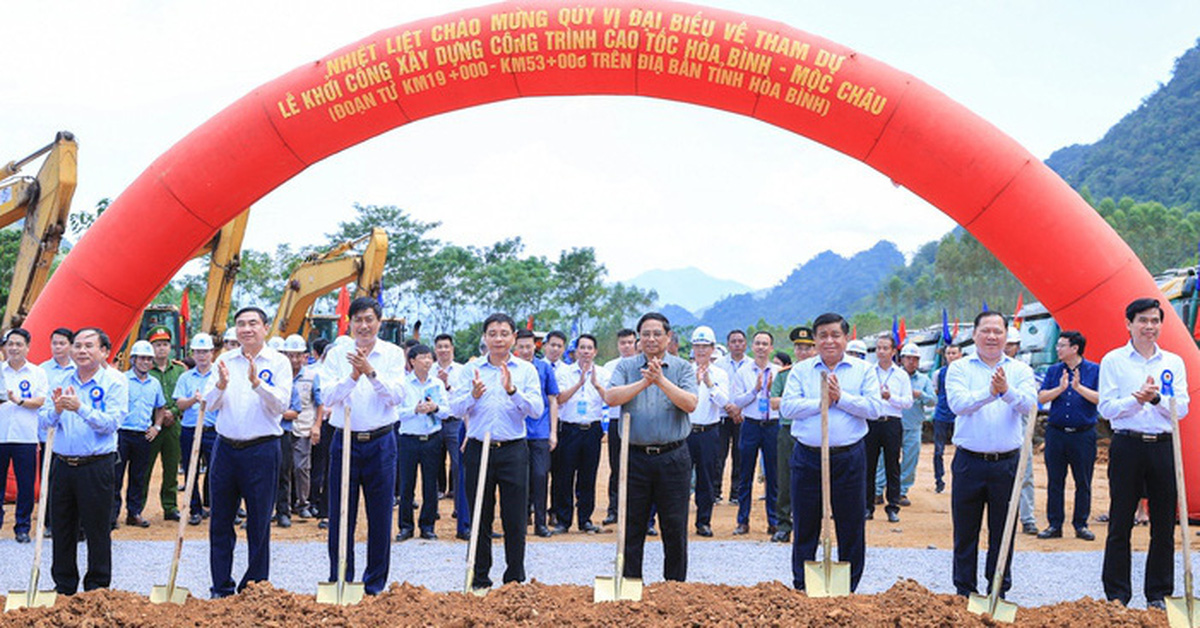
x: 539, y: 428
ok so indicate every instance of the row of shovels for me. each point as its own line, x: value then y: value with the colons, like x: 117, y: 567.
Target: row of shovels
x: 823, y: 578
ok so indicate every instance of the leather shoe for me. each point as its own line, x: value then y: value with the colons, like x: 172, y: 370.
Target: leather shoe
x: 323, y: 524
x: 741, y: 529
x: 404, y: 535
x: 497, y: 535
x: 137, y: 520
x: 704, y: 530
x: 609, y: 520
x: 463, y: 536
x: 772, y: 530
x: 1085, y: 534
x: 22, y: 537
x: 893, y: 517
x: 283, y: 521
x: 428, y: 535
x: 870, y: 515
x: 194, y: 519
x: 559, y: 529
x: 1157, y: 605
x: 940, y: 487
x: 904, y: 501
x: 1029, y: 528
x: 879, y: 500
x: 542, y: 531
x: 588, y: 526
x: 1050, y: 533
x: 650, y: 531
x: 172, y: 515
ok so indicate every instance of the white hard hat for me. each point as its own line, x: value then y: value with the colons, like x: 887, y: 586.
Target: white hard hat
x: 276, y: 343
x: 703, y: 335
x: 856, y: 346
x: 342, y: 341
x: 201, y: 342
x: 909, y: 349
x: 1014, y: 335
x: 142, y: 348
x: 230, y: 334
x: 295, y: 344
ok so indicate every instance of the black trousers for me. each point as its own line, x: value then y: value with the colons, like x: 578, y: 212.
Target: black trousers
x: 1076, y: 450
x: 575, y: 477
x: 702, y: 447
x: 133, y: 452
x: 539, y: 478
x: 614, y: 463
x: 283, y: 491
x: 320, y: 472
x: 884, y: 436
x: 730, y: 441
x: 663, y: 481
x: 508, y: 470
x: 1133, y: 466
x: 82, y: 495
x: 979, y: 484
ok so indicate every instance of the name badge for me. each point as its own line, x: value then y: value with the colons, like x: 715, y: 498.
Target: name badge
x: 1168, y: 383
x: 764, y: 406
x: 581, y: 408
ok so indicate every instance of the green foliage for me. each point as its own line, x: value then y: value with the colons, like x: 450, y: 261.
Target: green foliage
x: 1162, y: 238
x: 10, y: 244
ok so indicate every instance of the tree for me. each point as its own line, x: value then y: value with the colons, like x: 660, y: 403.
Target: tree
x: 408, y: 245
x: 579, y: 279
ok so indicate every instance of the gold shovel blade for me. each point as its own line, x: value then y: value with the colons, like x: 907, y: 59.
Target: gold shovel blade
x: 605, y: 589
x: 1005, y: 611
x: 1177, y: 613
x: 161, y: 594
x: 816, y: 585
x: 20, y: 599
x: 352, y: 593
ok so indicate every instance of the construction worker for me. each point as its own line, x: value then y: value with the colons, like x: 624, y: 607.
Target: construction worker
x: 912, y: 420
x: 26, y: 388
x: 139, y: 428
x: 307, y: 405
x: 803, y: 347
x: 167, y: 371
x: 712, y: 393
x: 188, y: 392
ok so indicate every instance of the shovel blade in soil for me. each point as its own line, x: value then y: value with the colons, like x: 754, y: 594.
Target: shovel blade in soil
x: 161, y: 594
x: 1178, y: 616
x: 606, y: 589
x: 1005, y: 611
x: 348, y: 594
x: 20, y: 599
x: 816, y: 584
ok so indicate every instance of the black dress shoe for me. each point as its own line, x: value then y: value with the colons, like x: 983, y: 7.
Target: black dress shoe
x: 1029, y: 528
x: 588, y: 526
x: 870, y: 515
x: 22, y: 537
x: 1157, y: 605
x: 609, y: 520
x: 497, y: 535
x: 194, y: 519
x: 704, y: 530
x: 137, y: 520
x: 323, y: 524
x: 463, y: 536
x: 428, y: 535
x: 893, y: 517
x: 879, y: 500
x: 940, y: 487
x: 404, y: 535
x: 772, y: 530
x: 781, y: 537
x: 1085, y: 534
x: 283, y: 521
x: 172, y: 515
x: 741, y: 529
x: 904, y: 501
x: 558, y: 529
x: 542, y: 531
x: 650, y: 531
x: 1050, y: 533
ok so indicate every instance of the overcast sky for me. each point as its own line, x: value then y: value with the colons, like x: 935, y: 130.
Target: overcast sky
x: 734, y: 197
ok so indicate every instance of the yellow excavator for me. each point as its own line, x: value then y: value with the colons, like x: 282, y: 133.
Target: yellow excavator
x: 323, y: 273
x: 44, y: 202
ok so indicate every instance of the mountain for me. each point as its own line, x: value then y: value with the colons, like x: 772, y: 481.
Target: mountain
x: 825, y: 283
x: 689, y: 288
x: 678, y: 316
x: 1153, y: 153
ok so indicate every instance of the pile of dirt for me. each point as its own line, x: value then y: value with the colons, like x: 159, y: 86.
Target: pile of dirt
x: 665, y: 604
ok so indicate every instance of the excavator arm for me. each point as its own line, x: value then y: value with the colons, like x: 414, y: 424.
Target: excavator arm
x: 226, y: 249
x: 321, y: 274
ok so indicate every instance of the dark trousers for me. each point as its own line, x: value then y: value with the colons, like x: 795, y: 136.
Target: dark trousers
x: 1134, y: 466
x: 461, y: 504
x: 24, y: 458
x: 578, y: 462
x: 660, y: 481
x: 201, y: 491
x: 249, y: 474
x: 508, y: 470
x: 82, y: 496
x: 943, y: 432
x: 452, y: 442
x: 1076, y: 450
x: 166, y: 445
x: 539, y: 478
x: 980, y: 484
x: 702, y: 448
x: 728, y: 446
x: 373, y: 472
x: 848, y: 481
x: 884, y: 436
x: 757, y: 436
x: 614, y: 463
x: 424, y: 452
x: 133, y: 453
x: 320, y: 472
x: 784, y: 444
x: 283, y: 487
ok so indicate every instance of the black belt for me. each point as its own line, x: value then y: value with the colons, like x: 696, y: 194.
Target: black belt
x: 497, y: 444
x: 246, y: 444
x: 654, y: 450
x: 79, y: 461
x: 450, y: 418
x: 885, y: 419
x: 420, y: 437
x: 1143, y: 436
x: 763, y: 421
x: 582, y: 427
x: 1071, y: 430
x: 832, y: 450
x: 990, y: 457
x: 698, y: 429
x: 368, y: 435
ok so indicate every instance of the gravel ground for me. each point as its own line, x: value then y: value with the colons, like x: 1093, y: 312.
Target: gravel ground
x: 1040, y: 577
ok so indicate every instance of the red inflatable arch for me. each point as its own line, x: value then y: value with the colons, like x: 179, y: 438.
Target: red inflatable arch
x: 889, y: 120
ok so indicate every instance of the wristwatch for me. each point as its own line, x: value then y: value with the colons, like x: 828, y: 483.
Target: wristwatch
x: 1157, y: 398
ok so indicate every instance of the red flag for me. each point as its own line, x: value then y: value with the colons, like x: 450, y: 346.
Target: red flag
x: 529, y: 323
x: 185, y: 318
x: 955, y: 334
x: 903, y: 332
x: 343, y: 311
x: 854, y: 332
x: 1017, y: 319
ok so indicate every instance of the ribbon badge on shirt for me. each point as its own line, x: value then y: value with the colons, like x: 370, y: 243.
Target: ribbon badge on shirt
x: 97, y: 395
x: 1168, y: 381
x: 266, y: 376
x: 24, y: 386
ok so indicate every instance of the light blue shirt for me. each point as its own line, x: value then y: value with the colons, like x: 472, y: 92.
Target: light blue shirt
x: 191, y: 382
x: 859, y: 401
x: 754, y: 405
x: 19, y: 424
x: 914, y: 415
x: 144, y: 396
x: 987, y: 423
x: 92, y: 430
x: 417, y: 391
x: 55, y: 372
x: 496, y: 410
x: 1123, y: 371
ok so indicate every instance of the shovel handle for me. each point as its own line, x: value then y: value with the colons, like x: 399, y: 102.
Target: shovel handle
x: 622, y: 506
x: 826, y: 482
x: 344, y: 506
x: 1010, y: 517
x: 478, y: 510
x: 1181, y: 492
x: 35, y: 570
x: 189, y: 484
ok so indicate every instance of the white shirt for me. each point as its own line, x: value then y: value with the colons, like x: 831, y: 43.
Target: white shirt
x: 614, y: 412
x: 245, y: 413
x: 987, y: 423
x: 20, y: 424
x: 899, y: 387
x: 754, y: 405
x: 451, y: 371
x: 858, y: 403
x: 711, y: 400
x: 374, y: 402
x: 1122, y: 372
x: 585, y: 406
